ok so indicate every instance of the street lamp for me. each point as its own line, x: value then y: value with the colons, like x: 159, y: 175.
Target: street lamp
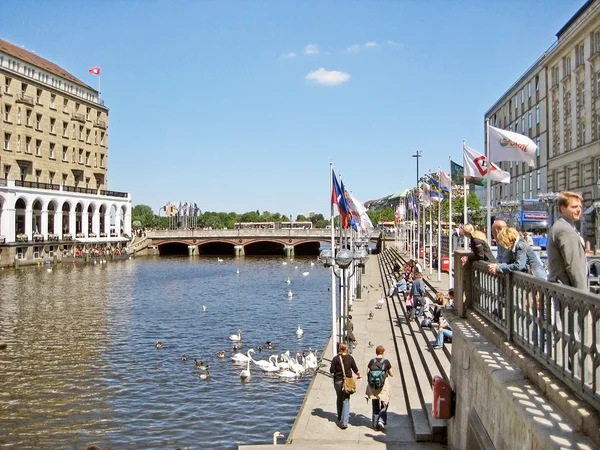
x: 510, y: 206
x: 548, y: 199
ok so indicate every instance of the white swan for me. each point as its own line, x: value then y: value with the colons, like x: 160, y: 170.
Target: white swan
x: 305, y: 274
x: 284, y: 364
x: 289, y: 281
x: 236, y: 337
x: 204, y: 308
x: 237, y: 271
x: 290, y: 294
x: 261, y: 362
x: 272, y: 367
x: 288, y: 374
x: 312, y: 264
x: 276, y: 435
x: 240, y: 357
x: 284, y: 263
x: 311, y: 360
x: 245, y: 374
x: 219, y: 260
x: 299, y: 331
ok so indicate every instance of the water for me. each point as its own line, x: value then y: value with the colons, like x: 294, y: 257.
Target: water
x: 81, y: 366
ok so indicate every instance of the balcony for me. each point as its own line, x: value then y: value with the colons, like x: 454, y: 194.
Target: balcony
x: 53, y: 237
x: 27, y: 99
x: 100, y: 124
x: 78, y: 117
x: 36, y: 185
x: 21, y: 237
x: 80, y: 190
x: 114, y: 194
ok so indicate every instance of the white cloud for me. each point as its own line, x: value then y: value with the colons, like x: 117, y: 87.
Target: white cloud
x: 311, y: 49
x: 328, y: 77
x: 394, y: 44
x: 358, y: 47
x: 289, y: 55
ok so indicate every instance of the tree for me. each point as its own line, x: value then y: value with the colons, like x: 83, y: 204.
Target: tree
x: 144, y: 214
x: 302, y: 218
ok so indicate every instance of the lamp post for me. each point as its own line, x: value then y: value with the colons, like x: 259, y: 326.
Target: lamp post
x: 549, y: 199
x: 417, y: 155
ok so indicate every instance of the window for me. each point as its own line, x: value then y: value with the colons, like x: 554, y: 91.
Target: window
x: 101, y: 160
x: 567, y: 66
x: 95, y: 159
x: 524, y: 186
x: 51, y: 249
x: 52, y: 100
x: 51, y: 154
x: 20, y: 252
x: 65, y: 104
x: 65, y: 177
x: 516, y: 188
x: 73, y: 159
x: 38, y: 122
x: 522, y: 95
x: 38, y: 175
x: 6, y: 171
x: 65, y: 128
x: 529, y: 90
x: 517, y: 126
x: 36, y: 251
x: 87, y: 113
x: 580, y: 55
x: 52, y: 126
x: 597, y: 171
x: 18, y: 143
x: 87, y: 182
x: 95, y: 136
x: 76, y: 107
x: 538, y: 180
x: 38, y: 147
x: 7, y: 109
x: 581, y: 137
x: 537, y: 143
x: 598, y: 84
x: 65, y: 153
x: 27, y: 144
x: 81, y: 132
x: 7, y: 83
x: 6, y: 141
x: 23, y: 88
x: 529, y: 121
x: 102, y: 138
x: 73, y: 132
x: 87, y: 158
x: 523, y: 124
x: 80, y: 156
x: 537, y: 114
x: 28, y: 117
x: 516, y: 101
x: 38, y: 96
x: 537, y: 83
x: 19, y: 115
x: 87, y: 135
x: 596, y: 42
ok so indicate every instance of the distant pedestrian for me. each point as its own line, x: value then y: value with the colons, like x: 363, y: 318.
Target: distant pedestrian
x: 566, y: 249
x: 343, y: 364
x: 379, y: 390
x: 350, y: 333
x: 417, y: 293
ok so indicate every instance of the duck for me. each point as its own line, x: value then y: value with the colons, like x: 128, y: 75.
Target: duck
x: 299, y: 331
x: 201, y: 365
x: 205, y: 376
x: 158, y: 344
x: 221, y: 354
x: 269, y: 345
x: 236, y: 337
x: 184, y: 358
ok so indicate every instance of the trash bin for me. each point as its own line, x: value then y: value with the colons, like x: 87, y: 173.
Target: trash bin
x: 421, y: 254
x: 445, y: 264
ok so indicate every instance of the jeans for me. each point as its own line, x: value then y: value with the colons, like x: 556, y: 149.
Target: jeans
x: 379, y: 412
x: 442, y: 335
x: 343, y: 404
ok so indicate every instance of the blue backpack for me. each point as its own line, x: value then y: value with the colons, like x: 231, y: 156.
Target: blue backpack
x: 377, y: 373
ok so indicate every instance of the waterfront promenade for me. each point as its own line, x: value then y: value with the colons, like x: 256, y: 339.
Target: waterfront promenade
x: 316, y: 427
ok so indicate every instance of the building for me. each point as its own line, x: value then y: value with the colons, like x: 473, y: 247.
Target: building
x: 556, y: 102
x: 53, y: 161
x: 573, y: 77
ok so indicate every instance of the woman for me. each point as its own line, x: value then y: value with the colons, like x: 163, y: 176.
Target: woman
x: 523, y: 258
x: 479, y: 246
x: 380, y: 397
x: 343, y: 399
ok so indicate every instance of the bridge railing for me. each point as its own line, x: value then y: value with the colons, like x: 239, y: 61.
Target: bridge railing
x: 158, y: 234
x: 557, y: 325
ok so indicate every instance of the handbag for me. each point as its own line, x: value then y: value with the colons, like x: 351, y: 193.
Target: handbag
x: 410, y: 302
x: 349, y: 384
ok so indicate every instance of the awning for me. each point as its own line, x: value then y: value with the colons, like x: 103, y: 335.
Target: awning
x: 101, y: 240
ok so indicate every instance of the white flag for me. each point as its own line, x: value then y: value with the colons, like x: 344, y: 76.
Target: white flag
x: 445, y: 182
x: 476, y: 166
x: 510, y: 146
x: 359, y: 212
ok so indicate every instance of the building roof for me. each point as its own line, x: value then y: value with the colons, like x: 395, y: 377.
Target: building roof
x: 586, y: 5
x: 40, y: 62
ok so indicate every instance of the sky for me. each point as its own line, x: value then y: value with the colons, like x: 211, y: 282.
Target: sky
x: 242, y: 105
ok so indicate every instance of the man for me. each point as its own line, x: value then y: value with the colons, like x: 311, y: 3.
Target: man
x: 502, y: 254
x: 566, y: 249
x: 350, y: 333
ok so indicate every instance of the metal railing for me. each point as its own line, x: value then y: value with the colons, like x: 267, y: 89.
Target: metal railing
x: 239, y: 233
x: 36, y: 185
x: 80, y: 190
x: 557, y: 325
x: 114, y: 194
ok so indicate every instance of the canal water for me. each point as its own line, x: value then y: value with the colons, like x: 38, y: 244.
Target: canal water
x: 82, y: 368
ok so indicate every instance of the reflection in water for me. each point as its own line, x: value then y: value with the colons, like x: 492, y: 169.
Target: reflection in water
x: 82, y: 367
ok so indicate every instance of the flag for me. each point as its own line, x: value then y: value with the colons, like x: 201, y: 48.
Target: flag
x: 458, y: 175
x: 359, y: 214
x: 196, y: 210
x: 436, y: 196
x: 510, y: 146
x: 338, y: 199
x: 476, y: 166
x: 350, y: 218
x: 94, y: 70
x: 445, y: 181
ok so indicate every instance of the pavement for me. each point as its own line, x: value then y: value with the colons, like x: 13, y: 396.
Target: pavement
x: 316, y: 425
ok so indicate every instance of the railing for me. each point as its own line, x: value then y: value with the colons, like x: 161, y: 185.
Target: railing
x: 557, y: 325
x: 36, y: 185
x: 239, y: 233
x: 114, y: 194
x: 80, y: 190
x: 78, y: 116
x: 22, y: 98
x: 2, y: 182
x: 100, y: 124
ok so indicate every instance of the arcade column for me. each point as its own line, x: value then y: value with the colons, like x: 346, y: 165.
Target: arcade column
x: 289, y: 251
x: 192, y: 250
x: 239, y: 250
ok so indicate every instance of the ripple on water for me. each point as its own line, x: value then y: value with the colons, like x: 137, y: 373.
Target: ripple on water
x: 82, y: 367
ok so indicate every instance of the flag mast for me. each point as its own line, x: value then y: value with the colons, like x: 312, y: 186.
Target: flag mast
x: 450, y: 235
x: 464, y: 194
x: 489, y: 181
x: 439, y: 240
x: 333, y: 283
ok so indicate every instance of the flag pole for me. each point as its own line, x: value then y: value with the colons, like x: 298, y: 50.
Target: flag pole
x: 430, y: 235
x: 488, y: 188
x: 464, y: 194
x: 333, y: 299
x: 439, y: 241
x: 450, y: 236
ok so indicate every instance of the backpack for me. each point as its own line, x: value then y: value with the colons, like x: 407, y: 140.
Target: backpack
x: 377, y: 374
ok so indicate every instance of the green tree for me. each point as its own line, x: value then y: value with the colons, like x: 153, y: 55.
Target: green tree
x: 250, y: 216
x: 144, y: 214
x: 302, y: 218
x: 474, y: 207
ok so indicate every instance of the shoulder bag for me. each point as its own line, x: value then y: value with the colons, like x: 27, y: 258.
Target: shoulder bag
x: 349, y: 384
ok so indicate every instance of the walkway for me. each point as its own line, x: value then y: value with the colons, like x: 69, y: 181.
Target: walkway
x: 315, y: 426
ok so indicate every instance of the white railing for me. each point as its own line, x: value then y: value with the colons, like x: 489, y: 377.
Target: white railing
x: 158, y: 234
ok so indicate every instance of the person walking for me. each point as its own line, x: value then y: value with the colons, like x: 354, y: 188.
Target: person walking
x: 343, y: 365
x: 350, y: 333
x: 379, y: 389
x: 565, y: 247
x: 417, y: 292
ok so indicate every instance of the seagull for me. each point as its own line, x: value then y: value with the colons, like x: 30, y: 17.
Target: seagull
x: 290, y: 294
x: 305, y: 274
x: 371, y: 315
x: 380, y: 303
x: 204, y: 308
x: 299, y: 331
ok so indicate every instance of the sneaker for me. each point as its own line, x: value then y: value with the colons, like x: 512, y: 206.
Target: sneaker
x: 437, y: 347
x: 381, y: 426
x: 343, y: 427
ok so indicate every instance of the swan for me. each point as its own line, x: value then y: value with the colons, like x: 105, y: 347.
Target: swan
x: 284, y: 263
x: 288, y: 374
x: 305, y: 274
x: 219, y: 260
x: 201, y: 365
x: 245, y: 374
x: 205, y: 376
x: 158, y: 344
x: 276, y: 435
x: 295, y: 365
x: 221, y: 354
x: 284, y: 364
x: 240, y: 357
x: 290, y: 294
x: 261, y: 362
x: 312, y: 264
x: 237, y: 271
x: 204, y: 308
x: 236, y: 337
x: 272, y: 367
x: 289, y: 281
x: 311, y: 360
x: 299, y: 331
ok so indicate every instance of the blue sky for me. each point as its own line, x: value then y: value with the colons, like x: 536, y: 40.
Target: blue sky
x: 241, y: 105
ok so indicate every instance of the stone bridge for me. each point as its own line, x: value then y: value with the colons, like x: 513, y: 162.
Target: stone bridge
x: 288, y: 242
